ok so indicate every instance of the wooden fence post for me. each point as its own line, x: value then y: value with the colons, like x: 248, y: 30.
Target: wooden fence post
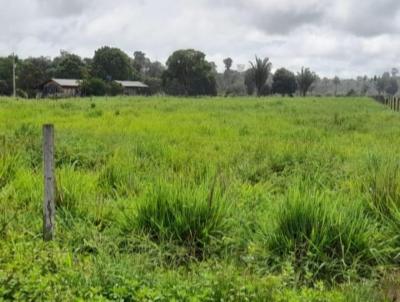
x: 49, y: 183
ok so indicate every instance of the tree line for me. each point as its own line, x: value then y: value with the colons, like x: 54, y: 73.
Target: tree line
x: 186, y: 73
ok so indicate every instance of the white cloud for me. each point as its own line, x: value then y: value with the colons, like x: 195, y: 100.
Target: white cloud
x: 344, y: 37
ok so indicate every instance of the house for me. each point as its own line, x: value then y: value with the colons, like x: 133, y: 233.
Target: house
x: 133, y: 87
x: 60, y: 88
x: 71, y: 88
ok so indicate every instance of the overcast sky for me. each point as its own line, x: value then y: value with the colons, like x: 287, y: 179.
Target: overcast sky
x: 343, y: 37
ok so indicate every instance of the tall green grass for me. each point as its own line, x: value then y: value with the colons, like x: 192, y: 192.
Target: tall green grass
x: 321, y: 238
x: 382, y: 184
x: 295, y: 212
x: 184, y: 213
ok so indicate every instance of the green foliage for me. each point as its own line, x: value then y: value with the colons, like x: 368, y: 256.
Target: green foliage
x: 188, y: 73
x: 68, y: 66
x: 112, y: 64
x: 228, y: 63
x: 31, y: 73
x: 249, y: 82
x: 260, y: 71
x: 305, y: 78
x: 392, y: 86
x: 114, y: 88
x: 6, y: 69
x: 93, y: 87
x: 284, y: 82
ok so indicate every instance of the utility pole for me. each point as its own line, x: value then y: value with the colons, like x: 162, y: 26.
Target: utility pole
x: 14, y: 85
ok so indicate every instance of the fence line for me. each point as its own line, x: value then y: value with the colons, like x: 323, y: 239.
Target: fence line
x: 392, y: 102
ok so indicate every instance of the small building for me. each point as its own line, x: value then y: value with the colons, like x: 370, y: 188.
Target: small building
x: 133, y: 87
x: 71, y: 88
x: 60, y: 88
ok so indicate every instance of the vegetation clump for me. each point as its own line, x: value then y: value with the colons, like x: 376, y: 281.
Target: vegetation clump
x: 323, y: 241
x: 186, y: 214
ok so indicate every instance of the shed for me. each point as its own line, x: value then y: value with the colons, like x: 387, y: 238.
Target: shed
x: 60, y: 87
x: 133, y: 87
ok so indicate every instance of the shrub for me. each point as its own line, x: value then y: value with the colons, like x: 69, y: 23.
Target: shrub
x: 114, y: 88
x: 184, y: 214
x: 93, y: 87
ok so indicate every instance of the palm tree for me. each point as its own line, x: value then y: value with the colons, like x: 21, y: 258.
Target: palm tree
x: 305, y: 78
x: 260, y: 71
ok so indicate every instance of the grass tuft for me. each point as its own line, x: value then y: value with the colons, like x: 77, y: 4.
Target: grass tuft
x: 184, y: 214
x: 323, y: 241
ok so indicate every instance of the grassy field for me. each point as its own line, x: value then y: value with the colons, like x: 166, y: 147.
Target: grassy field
x: 166, y: 199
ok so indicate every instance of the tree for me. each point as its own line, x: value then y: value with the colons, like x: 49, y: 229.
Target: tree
x: 32, y: 72
x: 284, y: 82
x: 385, y: 83
x: 6, y: 73
x: 392, y: 86
x: 140, y: 63
x: 155, y: 85
x: 336, y: 82
x: 112, y: 64
x: 395, y: 72
x: 260, y: 72
x: 188, y: 73
x: 380, y: 84
x: 305, y: 78
x: 68, y: 66
x: 228, y: 63
x: 93, y: 87
x: 156, y: 70
x: 249, y: 82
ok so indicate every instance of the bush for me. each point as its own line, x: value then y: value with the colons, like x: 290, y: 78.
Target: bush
x: 93, y: 87
x: 114, y: 88
x: 184, y: 214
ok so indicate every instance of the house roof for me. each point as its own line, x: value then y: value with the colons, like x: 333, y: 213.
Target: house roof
x: 76, y: 83
x: 67, y: 82
x: 132, y: 84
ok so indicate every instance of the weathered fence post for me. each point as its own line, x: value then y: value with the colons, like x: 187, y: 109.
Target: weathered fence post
x: 49, y: 183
